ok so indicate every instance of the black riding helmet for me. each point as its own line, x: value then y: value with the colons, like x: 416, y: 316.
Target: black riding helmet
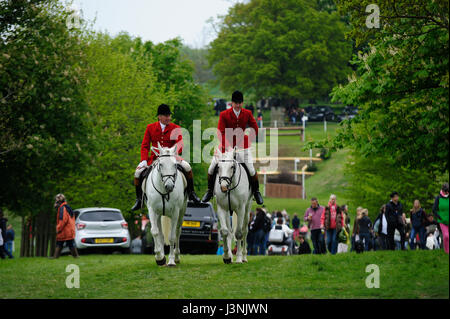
x: 164, y: 109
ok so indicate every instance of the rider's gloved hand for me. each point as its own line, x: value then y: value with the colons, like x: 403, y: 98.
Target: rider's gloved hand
x: 142, y: 164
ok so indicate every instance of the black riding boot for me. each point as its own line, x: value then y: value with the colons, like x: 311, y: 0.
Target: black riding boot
x: 210, y: 192
x: 138, y: 203
x: 74, y: 252
x: 255, y: 189
x: 190, y: 188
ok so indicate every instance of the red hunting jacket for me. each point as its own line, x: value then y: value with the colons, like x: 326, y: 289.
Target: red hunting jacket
x: 65, y: 224
x: 154, y: 134
x: 228, y: 119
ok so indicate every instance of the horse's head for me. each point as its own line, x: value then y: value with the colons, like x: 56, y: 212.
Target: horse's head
x: 167, y: 165
x: 227, y: 167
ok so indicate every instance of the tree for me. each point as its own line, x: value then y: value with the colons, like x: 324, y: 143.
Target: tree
x: 400, y: 138
x: 292, y: 48
x: 44, y: 128
x: 401, y: 85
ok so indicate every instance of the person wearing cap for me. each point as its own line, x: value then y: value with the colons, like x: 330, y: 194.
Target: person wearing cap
x: 167, y: 134
x: 440, y: 211
x: 395, y: 220
x: 65, y: 226
x: 237, y: 119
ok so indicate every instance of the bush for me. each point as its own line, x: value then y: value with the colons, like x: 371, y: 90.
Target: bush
x: 325, y: 154
x: 312, y: 167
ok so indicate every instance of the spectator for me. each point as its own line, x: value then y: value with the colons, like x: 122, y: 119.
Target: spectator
x: 440, y: 211
x: 332, y: 222
x: 287, y: 234
x: 296, y: 226
x: 313, y: 216
x: 136, y: 245
x: 220, y: 250
x: 279, y: 215
x: 417, y: 226
x: 9, y: 241
x: 65, y: 226
x: 2, y: 248
x: 380, y: 228
x: 396, y: 221
x: 303, y: 248
x: 355, y: 230
x: 344, y: 209
x: 259, y: 119
x: 3, y: 221
x: 251, y: 234
x: 343, y: 240
x: 258, y: 229
x: 365, y: 229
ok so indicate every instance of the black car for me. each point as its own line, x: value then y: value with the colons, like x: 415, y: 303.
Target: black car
x: 348, y: 112
x: 198, y: 233
x: 320, y: 113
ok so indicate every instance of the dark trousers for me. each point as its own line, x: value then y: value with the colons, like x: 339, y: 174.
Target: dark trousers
x: 259, y: 242
x: 382, y: 240
x: 391, y: 232
x: 422, y: 239
x: 367, y: 238
x: 2, y: 252
x: 69, y: 243
x: 318, y: 242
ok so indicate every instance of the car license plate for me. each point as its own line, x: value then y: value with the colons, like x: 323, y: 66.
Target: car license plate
x: 104, y: 240
x: 188, y: 223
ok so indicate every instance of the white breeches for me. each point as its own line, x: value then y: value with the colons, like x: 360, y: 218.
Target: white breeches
x: 187, y: 168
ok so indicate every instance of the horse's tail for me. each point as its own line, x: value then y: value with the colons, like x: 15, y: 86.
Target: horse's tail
x: 166, y: 224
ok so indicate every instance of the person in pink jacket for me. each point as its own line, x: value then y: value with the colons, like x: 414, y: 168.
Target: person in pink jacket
x: 332, y: 221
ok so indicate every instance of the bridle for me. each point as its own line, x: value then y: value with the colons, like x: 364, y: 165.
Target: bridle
x: 229, y: 181
x: 164, y: 179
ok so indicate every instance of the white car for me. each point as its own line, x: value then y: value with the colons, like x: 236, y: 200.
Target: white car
x: 100, y: 227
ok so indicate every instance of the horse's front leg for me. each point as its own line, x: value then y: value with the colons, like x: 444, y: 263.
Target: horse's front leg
x: 239, y: 233
x: 161, y: 258
x: 225, y: 231
x: 156, y: 230
x: 172, y: 239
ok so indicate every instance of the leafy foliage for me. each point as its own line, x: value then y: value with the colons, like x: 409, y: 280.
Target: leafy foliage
x: 44, y: 129
x: 281, y: 48
x: 401, y: 85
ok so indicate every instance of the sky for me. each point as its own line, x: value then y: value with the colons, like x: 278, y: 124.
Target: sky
x: 156, y: 20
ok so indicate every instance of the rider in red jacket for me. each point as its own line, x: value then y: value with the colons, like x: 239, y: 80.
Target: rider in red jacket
x: 235, y: 120
x: 167, y: 134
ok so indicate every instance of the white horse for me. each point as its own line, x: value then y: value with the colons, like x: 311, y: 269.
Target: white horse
x: 233, y: 189
x: 166, y: 199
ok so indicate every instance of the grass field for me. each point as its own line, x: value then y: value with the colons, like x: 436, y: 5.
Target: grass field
x: 403, y: 274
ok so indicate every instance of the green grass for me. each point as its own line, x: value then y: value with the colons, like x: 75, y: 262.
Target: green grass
x: 403, y: 274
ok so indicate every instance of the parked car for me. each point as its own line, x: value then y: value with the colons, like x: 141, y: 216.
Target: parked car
x: 320, y: 113
x: 101, y: 228
x: 348, y: 112
x: 198, y: 233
